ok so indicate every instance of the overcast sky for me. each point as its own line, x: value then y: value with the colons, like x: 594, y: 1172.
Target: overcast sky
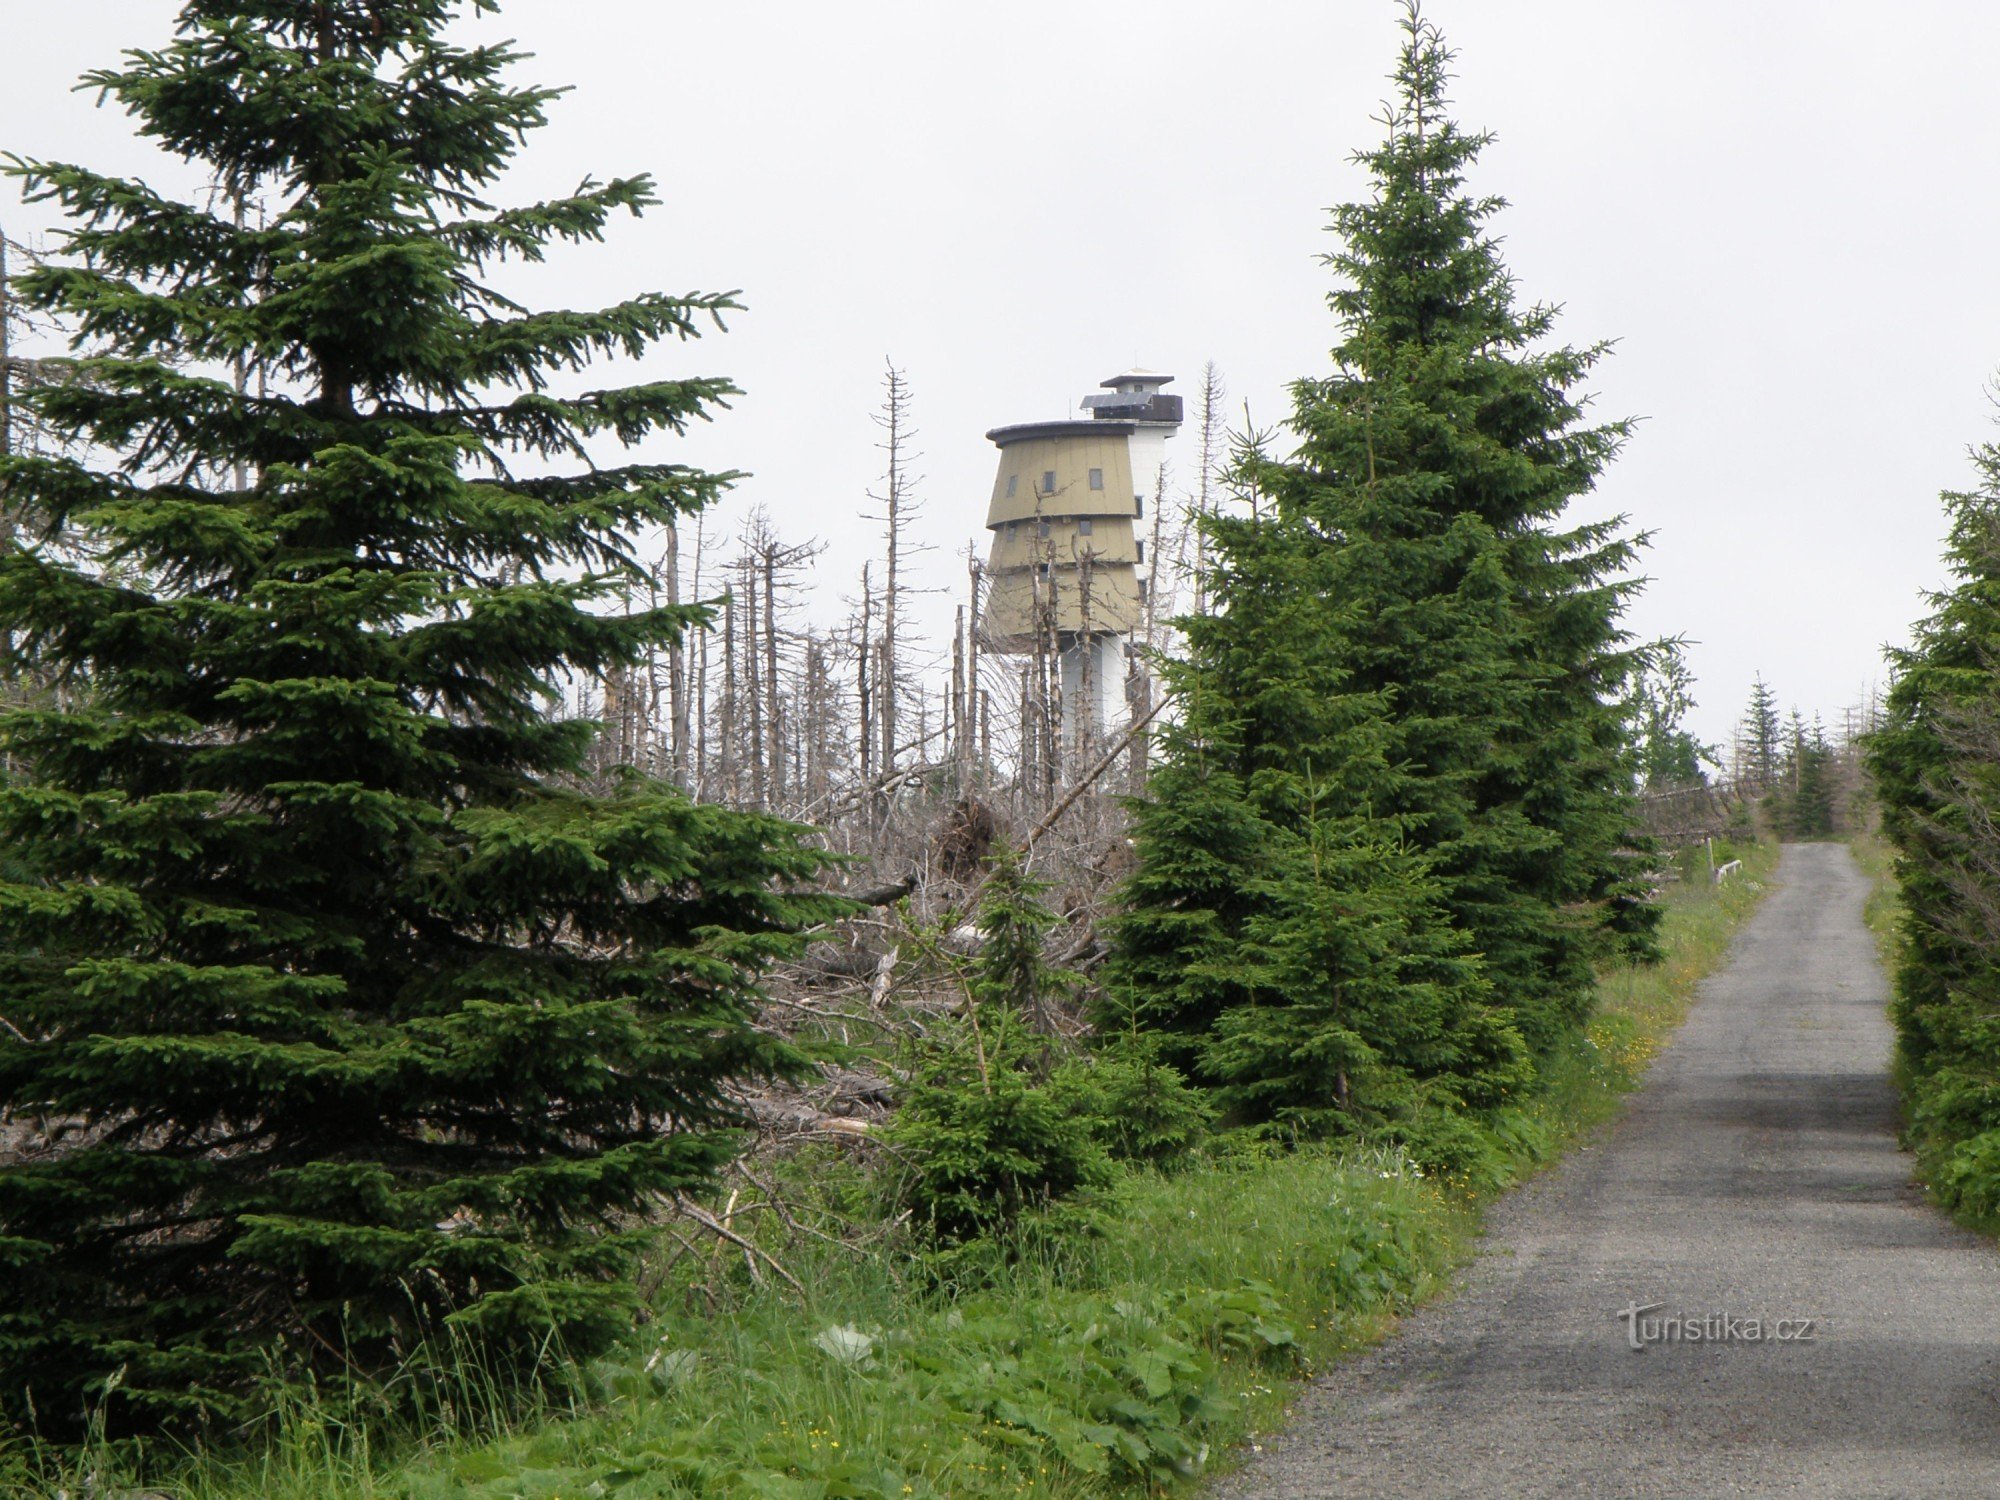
x: 1782, y: 213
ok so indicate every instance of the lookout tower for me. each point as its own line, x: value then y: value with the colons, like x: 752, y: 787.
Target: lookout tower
x: 1068, y: 570
x: 1137, y: 397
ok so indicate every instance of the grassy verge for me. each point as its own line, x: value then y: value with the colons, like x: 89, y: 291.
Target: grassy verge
x: 1877, y: 858
x: 1128, y: 1360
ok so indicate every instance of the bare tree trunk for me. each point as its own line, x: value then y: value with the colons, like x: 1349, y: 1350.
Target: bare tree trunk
x: 958, y: 741
x: 677, y: 668
x: 1140, y: 698
x: 772, y: 715
x: 886, y: 679
x: 899, y: 507
x: 1087, y: 690
x: 1029, y: 772
x: 1038, y: 665
x: 864, y: 662
x: 887, y: 703
x: 983, y: 767
x: 614, y: 750
x: 814, y: 731
x: 1204, y: 497
x: 731, y: 784
x: 651, y: 694
x: 753, y: 748
x: 1053, y: 698
x: 1151, y: 583
x: 699, y: 698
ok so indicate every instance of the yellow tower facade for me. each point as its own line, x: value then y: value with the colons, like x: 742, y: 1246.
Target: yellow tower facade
x: 1068, y: 569
x: 1065, y: 559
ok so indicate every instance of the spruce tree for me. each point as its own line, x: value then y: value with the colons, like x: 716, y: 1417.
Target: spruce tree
x: 356, y: 1013
x: 1669, y: 755
x: 993, y: 1125
x: 1293, y: 953
x: 1762, y: 736
x: 1935, y: 764
x: 1435, y: 466
x: 1014, y: 917
x: 1806, y: 804
x: 1366, y: 1010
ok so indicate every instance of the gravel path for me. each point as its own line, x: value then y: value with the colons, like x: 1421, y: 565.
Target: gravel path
x: 1755, y: 1175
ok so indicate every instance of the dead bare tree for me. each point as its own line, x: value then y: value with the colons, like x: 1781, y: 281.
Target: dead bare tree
x: 751, y: 751
x: 969, y: 706
x: 697, y: 777
x: 727, y: 767
x: 777, y: 564
x: 676, y: 686
x: 1208, y: 454
x: 900, y: 506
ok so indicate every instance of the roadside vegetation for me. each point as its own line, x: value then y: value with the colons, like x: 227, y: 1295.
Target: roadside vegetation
x: 1933, y: 762
x: 1877, y: 858
x: 1124, y: 1354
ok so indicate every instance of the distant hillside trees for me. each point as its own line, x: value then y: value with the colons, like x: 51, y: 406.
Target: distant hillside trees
x: 1793, y: 777
x: 1382, y: 853
x: 365, y: 1029
x: 1806, y: 799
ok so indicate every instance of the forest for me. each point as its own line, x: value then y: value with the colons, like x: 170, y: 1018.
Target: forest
x: 502, y: 993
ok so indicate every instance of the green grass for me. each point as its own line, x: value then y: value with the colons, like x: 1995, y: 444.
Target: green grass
x: 1118, y: 1362
x: 1877, y: 858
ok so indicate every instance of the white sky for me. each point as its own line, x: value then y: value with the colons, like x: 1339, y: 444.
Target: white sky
x: 1783, y: 213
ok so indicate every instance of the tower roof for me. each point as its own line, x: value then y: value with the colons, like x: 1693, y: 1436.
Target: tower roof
x: 1136, y: 377
x: 1028, y: 432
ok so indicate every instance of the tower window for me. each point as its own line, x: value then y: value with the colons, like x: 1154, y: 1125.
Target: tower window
x: 1097, y: 479
x: 1083, y: 525
x: 1142, y: 550
x: 1041, y: 528
x: 1048, y: 481
x: 1012, y: 480
x: 1139, y: 507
